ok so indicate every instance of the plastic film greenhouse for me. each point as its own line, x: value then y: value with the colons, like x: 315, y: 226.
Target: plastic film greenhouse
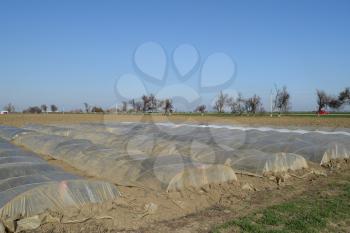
x: 161, y: 157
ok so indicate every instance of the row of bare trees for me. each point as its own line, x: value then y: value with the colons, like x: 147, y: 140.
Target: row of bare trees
x: 88, y: 109
x: 238, y: 105
x: 41, y: 109
x: 281, y: 102
x: 147, y: 103
x: 251, y: 105
x: 10, y: 108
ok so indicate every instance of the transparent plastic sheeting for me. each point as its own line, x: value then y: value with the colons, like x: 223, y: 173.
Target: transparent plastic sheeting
x: 29, y: 185
x: 142, y: 144
x: 168, y: 173
x: 155, y: 145
x: 168, y: 154
x: 151, y: 139
x: 315, y: 146
x: 172, y: 157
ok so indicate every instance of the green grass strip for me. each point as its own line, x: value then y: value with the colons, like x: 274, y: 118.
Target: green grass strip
x: 305, y: 214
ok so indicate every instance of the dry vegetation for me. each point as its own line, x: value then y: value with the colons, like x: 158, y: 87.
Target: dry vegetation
x: 292, y: 121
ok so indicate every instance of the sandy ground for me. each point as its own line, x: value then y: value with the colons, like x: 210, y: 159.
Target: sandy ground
x: 291, y: 121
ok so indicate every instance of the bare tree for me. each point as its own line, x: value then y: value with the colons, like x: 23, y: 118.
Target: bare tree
x: 201, y: 109
x: 146, y: 101
x: 334, y: 103
x: 54, y: 108
x: 220, y: 102
x: 43, y: 107
x: 96, y: 109
x: 168, y: 106
x: 124, y: 106
x: 322, y: 100
x: 9, y: 108
x: 87, y: 107
x: 253, y: 104
x: 344, y: 96
x: 241, y: 102
x: 34, y: 109
x: 138, y: 106
x: 152, y: 102
x: 282, y: 100
x: 237, y: 105
x: 132, y: 102
x: 338, y: 102
x: 231, y: 102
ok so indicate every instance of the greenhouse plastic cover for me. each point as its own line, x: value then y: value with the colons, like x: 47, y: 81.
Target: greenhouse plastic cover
x: 29, y: 185
x: 165, y: 156
x: 174, y: 146
x: 315, y: 146
x: 169, y: 172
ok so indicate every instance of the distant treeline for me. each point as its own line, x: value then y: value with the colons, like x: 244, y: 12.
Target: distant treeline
x: 280, y: 103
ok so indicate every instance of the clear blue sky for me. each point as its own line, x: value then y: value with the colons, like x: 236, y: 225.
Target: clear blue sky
x: 70, y: 52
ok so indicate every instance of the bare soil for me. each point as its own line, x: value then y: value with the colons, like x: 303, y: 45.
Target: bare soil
x: 291, y: 121
x: 192, y: 210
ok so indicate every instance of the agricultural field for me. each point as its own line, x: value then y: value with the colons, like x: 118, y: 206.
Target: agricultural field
x: 178, y: 173
x: 174, y: 116
x: 292, y: 120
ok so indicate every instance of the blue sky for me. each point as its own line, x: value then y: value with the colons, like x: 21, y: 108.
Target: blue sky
x: 71, y: 52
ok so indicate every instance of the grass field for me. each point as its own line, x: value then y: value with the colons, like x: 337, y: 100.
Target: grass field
x: 333, y: 121
x: 325, y: 210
